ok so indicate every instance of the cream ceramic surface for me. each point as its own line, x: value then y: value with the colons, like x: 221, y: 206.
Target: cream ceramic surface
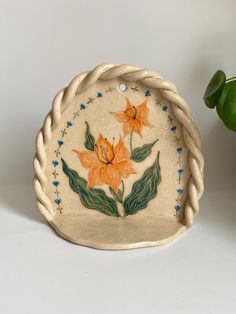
x: 162, y: 219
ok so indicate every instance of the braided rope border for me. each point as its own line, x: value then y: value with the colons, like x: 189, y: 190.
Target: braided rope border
x: 109, y: 71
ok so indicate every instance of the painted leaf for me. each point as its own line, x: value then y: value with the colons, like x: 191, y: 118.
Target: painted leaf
x: 143, y: 190
x: 141, y: 153
x: 91, y: 198
x: 89, y: 138
x: 118, y: 196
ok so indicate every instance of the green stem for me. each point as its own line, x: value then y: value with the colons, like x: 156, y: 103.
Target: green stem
x: 123, y: 189
x: 122, y: 192
x: 118, y: 196
x: 130, y: 143
x: 231, y: 78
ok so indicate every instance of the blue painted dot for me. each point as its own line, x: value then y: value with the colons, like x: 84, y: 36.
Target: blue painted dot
x: 179, y: 149
x: 82, y: 106
x: 180, y: 171
x: 173, y: 129
x: 164, y: 108
x: 56, y: 183
x: 60, y: 143
x: 57, y: 201
x: 100, y: 94
x: 55, y: 163
x: 147, y: 93
x: 179, y: 191
x: 69, y: 124
x: 177, y: 208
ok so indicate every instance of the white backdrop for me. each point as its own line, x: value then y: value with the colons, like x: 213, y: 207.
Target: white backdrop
x: 43, y: 45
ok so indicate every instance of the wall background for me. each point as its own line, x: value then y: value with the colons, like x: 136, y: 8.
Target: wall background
x: 43, y: 45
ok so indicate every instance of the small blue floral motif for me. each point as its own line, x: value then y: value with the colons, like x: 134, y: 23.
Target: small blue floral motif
x: 69, y: 124
x: 180, y: 171
x: 57, y: 201
x: 60, y: 143
x: 82, y: 106
x: 55, y: 163
x: 56, y: 183
x: 177, y: 208
x: 100, y: 94
x: 164, y: 108
x: 147, y: 93
x: 179, y: 191
x: 173, y: 129
x: 179, y: 149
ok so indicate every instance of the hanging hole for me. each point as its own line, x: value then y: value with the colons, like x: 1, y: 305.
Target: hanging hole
x: 122, y: 87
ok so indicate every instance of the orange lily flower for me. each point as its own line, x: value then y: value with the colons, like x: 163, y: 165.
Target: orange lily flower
x: 134, y: 118
x: 108, y: 164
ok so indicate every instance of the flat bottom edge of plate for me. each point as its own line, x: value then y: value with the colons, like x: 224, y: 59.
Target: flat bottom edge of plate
x: 119, y: 236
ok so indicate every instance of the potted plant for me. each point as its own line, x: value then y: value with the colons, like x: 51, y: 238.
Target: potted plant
x: 221, y: 93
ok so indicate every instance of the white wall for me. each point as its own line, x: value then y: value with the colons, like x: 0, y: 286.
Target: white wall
x: 43, y: 44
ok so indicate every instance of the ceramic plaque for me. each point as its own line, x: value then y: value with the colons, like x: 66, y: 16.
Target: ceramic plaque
x: 118, y: 162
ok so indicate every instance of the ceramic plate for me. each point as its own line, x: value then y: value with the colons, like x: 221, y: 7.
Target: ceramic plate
x: 116, y: 167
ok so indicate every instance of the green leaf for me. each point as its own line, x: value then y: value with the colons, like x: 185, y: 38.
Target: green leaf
x: 89, y: 138
x: 91, y: 198
x: 141, y: 153
x: 143, y: 190
x: 214, y: 89
x: 227, y: 88
x: 229, y: 110
x: 117, y: 196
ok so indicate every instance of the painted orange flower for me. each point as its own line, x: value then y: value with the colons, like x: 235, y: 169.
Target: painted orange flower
x: 107, y: 164
x: 134, y: 118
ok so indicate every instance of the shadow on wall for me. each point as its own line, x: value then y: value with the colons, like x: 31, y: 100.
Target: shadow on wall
x: 218, y: 209
x: 20, y: 200
x: 219, y: 148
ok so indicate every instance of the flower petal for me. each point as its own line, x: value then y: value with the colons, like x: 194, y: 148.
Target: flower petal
x: 121, y: 152
x: 146, y: 122
x: 120, y: 116
x: 88, y: 159
x: 126, y: 168
x: 130, y: 110
x: 101, y: 140
x: 110, y: 174
x: 94, y: 178
x: 142, y: 111
x: 128, y: 104
x: 137, y: 126
x: 128, y: 127
x: 104, y: 149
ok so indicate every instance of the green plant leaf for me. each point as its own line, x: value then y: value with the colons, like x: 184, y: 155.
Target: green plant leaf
x: 227, y: 88
x: 89, y: 138
x: 143, y: 190
x: 214, y: 89
x: 141, y: 153
x: 229, y: 110
x: 91, y: 198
